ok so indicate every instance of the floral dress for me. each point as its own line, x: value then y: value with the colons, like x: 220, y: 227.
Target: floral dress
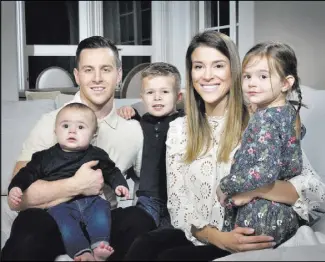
x: 269, y: 151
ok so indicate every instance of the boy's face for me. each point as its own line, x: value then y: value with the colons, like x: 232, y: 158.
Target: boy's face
x: 159, y: 95
x: 74, y: 129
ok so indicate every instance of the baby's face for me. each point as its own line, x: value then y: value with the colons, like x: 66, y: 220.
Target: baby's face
x: 159, y: 95
x: 74, y: 130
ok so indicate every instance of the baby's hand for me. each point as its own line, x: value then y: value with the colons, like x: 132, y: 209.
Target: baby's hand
x: 221, y: 196
x: 127, y: 112
x: 14, y: 197
x: 122, y: 191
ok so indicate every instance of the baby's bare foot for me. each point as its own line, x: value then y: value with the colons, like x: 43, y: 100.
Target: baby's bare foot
x: 102, y: 252
x: 85, y: 257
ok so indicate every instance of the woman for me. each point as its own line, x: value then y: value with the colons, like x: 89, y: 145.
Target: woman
x: 200, y: 148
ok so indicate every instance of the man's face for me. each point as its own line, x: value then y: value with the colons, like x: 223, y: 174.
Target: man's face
x: 97, y: 76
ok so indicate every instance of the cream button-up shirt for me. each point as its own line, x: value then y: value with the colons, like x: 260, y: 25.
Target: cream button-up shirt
x: 121, y: 139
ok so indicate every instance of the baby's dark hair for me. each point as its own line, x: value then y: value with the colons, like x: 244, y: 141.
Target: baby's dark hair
x: 281, y: 59
x: 163, y: 69
x: 81, y: 107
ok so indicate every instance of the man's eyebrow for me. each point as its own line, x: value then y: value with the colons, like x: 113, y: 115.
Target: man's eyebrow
x: 100, y: 66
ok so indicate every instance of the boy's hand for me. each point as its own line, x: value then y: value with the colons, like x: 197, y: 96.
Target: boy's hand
x: 14, y: 197
x: 127, y: 112
x: 221, y: 196
x: 122, y: 191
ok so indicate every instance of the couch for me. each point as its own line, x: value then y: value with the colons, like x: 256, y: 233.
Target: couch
x: 20, y: 116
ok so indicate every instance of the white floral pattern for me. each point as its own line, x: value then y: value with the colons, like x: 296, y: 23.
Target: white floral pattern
x: 185, y: 202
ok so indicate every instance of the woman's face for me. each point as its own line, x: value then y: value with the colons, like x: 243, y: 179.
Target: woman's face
x: 211, y: 75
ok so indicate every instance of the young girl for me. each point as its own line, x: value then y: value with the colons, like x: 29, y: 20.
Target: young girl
x: 270, y: 147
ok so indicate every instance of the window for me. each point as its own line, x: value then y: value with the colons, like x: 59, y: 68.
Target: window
x: 44, y: 31
x: 220, y: 16
x: 49, y: 32
x: 128, y: 24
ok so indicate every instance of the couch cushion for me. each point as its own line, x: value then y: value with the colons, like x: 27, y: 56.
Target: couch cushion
x: 41, y: 95
x: 62, y: 99
x: 17, y: 120
x: 313, y: 118
x: 7, y: 218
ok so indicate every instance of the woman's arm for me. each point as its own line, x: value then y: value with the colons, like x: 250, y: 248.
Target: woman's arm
x: 279, y: 191
x: 305, y: 192
x: 237, y: 240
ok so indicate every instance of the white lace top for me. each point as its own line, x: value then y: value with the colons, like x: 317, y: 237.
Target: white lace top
x: 192, y: 187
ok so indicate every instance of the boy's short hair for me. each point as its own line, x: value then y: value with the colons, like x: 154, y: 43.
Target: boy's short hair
x: 81, y: 107
x: 162, y: 69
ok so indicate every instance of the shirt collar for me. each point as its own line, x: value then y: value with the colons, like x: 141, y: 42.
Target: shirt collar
x: 111, y: 119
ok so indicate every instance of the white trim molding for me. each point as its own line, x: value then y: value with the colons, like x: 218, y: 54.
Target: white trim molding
x: 51, y: 50
x: 21, y: 43
x: 135, y: 50
x: 98, y: 28
x: 159, y: 22
x: 246, y: 19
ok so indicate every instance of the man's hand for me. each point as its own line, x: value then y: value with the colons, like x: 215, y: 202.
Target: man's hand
x: 14, y: 198
x: 88, y: 181
x: 127, y: 112
x: 122, y: 191
x: 239, y: 240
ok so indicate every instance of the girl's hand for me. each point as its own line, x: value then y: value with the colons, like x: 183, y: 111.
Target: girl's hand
x: 122, y: 191
x: 127, y: 112
x: 239, y: 240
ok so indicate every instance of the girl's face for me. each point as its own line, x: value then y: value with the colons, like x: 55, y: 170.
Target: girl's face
x: 211, y: 76
x: 262, y: 87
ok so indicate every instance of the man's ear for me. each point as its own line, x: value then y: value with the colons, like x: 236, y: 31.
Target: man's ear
x: 288, y: 83
x: 119, y: 75
x: 76, y: 75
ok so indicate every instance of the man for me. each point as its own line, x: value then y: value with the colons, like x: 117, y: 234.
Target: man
x: 35, y: 235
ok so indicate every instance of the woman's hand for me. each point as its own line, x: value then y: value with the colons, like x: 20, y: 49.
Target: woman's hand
x: 239, y: 240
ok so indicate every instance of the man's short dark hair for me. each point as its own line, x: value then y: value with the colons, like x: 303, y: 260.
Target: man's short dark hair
x: 98, y: 42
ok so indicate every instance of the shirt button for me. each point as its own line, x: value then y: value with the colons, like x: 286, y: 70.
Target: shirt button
x: 156, y: 128
x: 157, y: 135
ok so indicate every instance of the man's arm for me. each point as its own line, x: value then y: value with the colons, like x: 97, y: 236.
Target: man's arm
x: 44, y: 194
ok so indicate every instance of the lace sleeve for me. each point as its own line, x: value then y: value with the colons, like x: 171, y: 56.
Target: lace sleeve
x: 311, y: 190
x: 178, y: 204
